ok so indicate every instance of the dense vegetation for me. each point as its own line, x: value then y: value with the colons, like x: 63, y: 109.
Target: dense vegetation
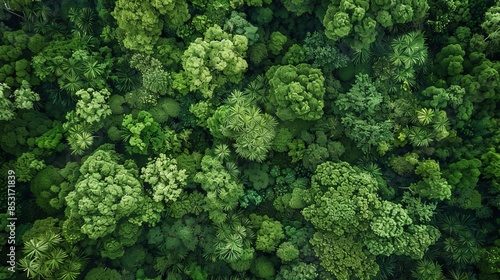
x: 251, y: 139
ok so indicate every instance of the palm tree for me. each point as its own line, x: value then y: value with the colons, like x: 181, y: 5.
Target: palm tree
x: 427, y: 269
x: 409, y: 50
x: 425, y: 115
x: 222, y: 152
x: 419, y: 137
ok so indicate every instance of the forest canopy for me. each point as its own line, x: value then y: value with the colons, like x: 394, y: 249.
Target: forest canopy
x: 250, y: 139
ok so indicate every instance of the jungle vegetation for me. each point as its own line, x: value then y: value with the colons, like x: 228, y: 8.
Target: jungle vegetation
x: 251, y: 139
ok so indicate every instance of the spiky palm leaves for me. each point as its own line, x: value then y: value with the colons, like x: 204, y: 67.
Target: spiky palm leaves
x: 40, y: 19
x: 252, y: 130
x: 408, y: 54
x: 233, y: 239
x: 461, y: 240
x: 79, y: 139
x: 432, y: 125
x: 257, y: 89
x: 427, y: 269
x: 84, y: 19
x: 409, y: 50
x: 49, y: 257
x: 419, y: 137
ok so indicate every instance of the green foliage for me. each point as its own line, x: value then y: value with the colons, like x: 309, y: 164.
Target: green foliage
x: 300, y: 271
x: 51, y: 140
x: 48, y: 257
x: 120, y: 195
x: 299, y: 7
x: 463, y: 176
x: 164, y: 176
x: 323, y: 52
x: 24, y: 98
x: 450, y: 59
x: 41, y: 186
x: 287, y: 252
x: 276, y: 42
x: 408, y: 54
x: 427, y: 269
x: 269, y: 235
x: 296, y: 91
x: 263, y: 268
x: 145, y: 136
x: 98, y: 273
x: 261, y: 189
x: 432, y: 185
x: 154, y: 77
x: 214, y: 60
x: 238, y: 24
x: 26, y: 166
x: 461, y: 240
x: 491, y: 23
x: 223, y: 191
x: 91, y: 108
x: 491, y: 164
x: 241, y: 120
x: 141, y: 23
x: 361, y: 111
x: 344, y: 206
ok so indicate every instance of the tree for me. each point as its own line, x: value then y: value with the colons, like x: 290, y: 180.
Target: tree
x: 276, y: 42
x: 48, y: 256
x: 296, y: 91
x: 324, y: 53
x: 432, y: 185
x: 449, y: 60
x: 214, y: 60
x: 463, y: 176
x: 491, y: 23
x: 145, y: 136
x: 269, y: 235
x: 154, y: 77
x: 241, y: 120
x: 164, y: 176
x: 91, y: 108
x: 141, y: 24
x: 24, y: 98
x: 349, y: 216
x: 361, y: 111
x: 223, y: 191
x: 238, y: 24
x: 106, y: 194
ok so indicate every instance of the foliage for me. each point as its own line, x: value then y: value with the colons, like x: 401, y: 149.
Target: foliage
x: 361, y: 111
x: 223, y: 191
x: 154, y: 77
x: 141, y: 24
x: 324, y: 53
x: 296, y: 91
x: 144, y: 135
x: 91, y: 108
x: 238, y: 24
x: 164, y: 176
x: 120, y: 195
x: 255, y: 139
x: 47, y: 256
x: 269, y: 235
x: 241, y: 120
x: 214, y: 60
x: 344, y: 206
x: 24, y: 98
x: 432, y: 185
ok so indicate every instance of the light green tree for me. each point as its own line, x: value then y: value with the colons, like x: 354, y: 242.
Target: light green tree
x: 296, y: 92
x: 164, y: 176
x: 214, y: 60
